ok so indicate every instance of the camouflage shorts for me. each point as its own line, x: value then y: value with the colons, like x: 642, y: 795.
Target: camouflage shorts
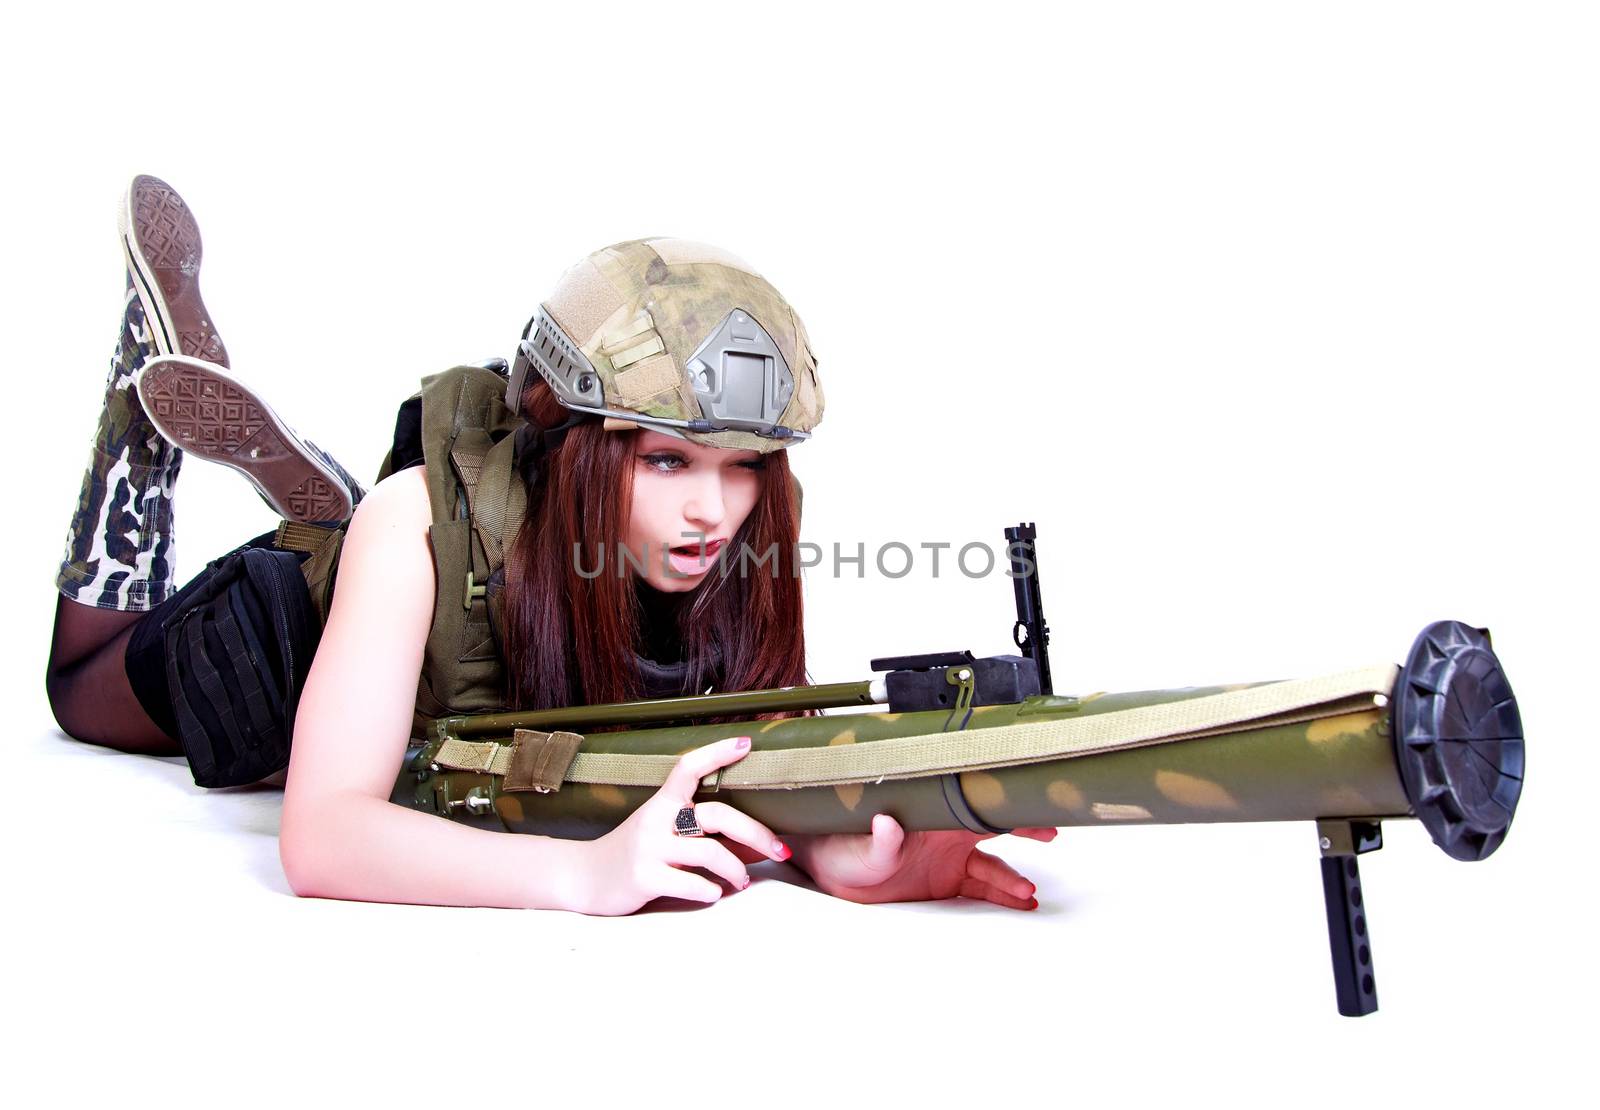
x: 119, y: 546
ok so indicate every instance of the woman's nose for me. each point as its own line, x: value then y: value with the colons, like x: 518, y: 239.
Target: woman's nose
x: 705, y: 506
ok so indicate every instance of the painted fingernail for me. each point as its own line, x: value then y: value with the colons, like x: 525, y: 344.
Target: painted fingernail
x: 741, y: 743
x: 780, y: 850
x: 745, y: 884
x: 1033, y: 903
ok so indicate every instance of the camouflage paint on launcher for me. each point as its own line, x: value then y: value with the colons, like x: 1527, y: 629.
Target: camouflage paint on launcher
x: 1341, y: 766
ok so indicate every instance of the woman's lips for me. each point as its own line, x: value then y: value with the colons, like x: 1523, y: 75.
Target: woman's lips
x: 688, y: 559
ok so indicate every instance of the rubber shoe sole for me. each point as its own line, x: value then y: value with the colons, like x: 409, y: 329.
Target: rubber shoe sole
x: 201, y: 408
x: 161, y: 241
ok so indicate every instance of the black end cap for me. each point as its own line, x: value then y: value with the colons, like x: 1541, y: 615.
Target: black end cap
x: 1458, y: 739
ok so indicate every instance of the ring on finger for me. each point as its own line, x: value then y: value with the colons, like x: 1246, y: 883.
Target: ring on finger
x: 685, y: 824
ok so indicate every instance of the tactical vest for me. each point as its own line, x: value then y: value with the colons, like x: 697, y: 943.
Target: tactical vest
x: 478, y: 500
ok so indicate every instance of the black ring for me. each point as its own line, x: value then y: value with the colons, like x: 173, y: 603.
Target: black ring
x: 685, y: 824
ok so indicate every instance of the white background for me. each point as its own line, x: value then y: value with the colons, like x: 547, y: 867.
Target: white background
x: 1278, y: 319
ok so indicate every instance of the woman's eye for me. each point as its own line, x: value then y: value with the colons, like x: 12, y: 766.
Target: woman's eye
x: 669, y: 461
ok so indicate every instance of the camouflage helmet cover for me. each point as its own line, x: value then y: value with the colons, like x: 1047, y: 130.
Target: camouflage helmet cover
x: 681, y: 337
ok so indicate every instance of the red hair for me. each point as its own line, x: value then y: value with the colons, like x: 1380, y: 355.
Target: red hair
x: 570, y: 639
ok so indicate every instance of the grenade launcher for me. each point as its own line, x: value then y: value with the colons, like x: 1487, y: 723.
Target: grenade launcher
x: 986, y: 744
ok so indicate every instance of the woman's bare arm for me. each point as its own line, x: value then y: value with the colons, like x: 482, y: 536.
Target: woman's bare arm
x: 341, y: 837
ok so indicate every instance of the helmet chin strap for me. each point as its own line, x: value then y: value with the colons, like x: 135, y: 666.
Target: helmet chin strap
x: 533, y: 443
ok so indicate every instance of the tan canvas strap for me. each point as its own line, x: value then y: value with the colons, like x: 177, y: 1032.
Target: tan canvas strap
x: 466, y: 755
x: 467, y: 452
x: 532, y: 761
x: 1272, y: 704
x: 294, y: 535
x: 501, y: 498
x: 496, y: 498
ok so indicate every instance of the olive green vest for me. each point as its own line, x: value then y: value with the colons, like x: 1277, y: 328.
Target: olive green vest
x: 478, y: 502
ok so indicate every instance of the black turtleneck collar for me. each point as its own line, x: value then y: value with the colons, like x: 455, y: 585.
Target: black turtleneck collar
x: 659, y: 637
x: 662, y: 658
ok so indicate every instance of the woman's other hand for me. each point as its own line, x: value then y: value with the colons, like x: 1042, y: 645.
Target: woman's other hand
x: 891, y: 865
x: 640, y: 859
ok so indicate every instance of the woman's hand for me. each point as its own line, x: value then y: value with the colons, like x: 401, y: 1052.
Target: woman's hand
x: 889, y: 865
x: 639, y: 860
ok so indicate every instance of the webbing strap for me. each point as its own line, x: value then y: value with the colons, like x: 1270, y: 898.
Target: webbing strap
x: 467, y: 452
x: 1277, y: 703
x: 465, y: 755
x: 494, y: 493
x: 501, y: 497
x: 294, y: 535
x: 243, y: 658
x: 209, y: 679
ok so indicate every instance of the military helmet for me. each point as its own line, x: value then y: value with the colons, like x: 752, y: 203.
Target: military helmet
x: 678, y: 337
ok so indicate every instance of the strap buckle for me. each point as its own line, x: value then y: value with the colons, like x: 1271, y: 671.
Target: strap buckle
x: 472, y: 591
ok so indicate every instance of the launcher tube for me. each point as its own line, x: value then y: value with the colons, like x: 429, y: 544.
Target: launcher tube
x: 1340, y: 766
x: 1444, y: 744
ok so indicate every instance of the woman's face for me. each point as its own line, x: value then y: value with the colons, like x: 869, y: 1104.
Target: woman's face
x: 688, y: 501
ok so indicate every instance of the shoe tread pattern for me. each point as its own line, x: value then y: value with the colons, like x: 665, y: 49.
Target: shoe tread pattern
x: 316, y: 500
x: 168, y: 237
x: 219, y: 421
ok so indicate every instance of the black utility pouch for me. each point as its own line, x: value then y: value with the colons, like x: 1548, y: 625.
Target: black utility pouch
x: 237, y: 656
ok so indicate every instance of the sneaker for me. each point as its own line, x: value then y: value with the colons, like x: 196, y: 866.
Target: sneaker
x: 202, y: 408
x: 162, y: 242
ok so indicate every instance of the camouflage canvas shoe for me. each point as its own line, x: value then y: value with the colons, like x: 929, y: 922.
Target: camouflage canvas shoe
x: 119, y: 550
x: 162, y: 243
x: 202, y: 408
